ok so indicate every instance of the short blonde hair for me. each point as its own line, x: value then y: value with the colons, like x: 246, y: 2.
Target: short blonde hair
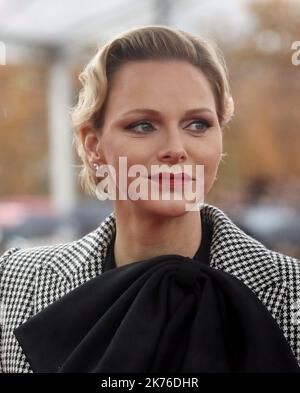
x: 145, y: 43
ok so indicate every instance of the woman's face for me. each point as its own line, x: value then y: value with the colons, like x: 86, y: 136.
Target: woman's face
x: 149, y: 120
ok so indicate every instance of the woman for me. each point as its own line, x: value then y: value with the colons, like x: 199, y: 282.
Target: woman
x: 157, y: 287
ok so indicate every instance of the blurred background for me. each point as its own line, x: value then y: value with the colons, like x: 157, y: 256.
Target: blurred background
x: 43, y: 46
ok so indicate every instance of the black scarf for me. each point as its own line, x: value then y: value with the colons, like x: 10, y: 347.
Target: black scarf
x: 166, y: 314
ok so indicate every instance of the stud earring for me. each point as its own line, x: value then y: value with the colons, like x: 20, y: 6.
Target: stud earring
x: 95, y: 166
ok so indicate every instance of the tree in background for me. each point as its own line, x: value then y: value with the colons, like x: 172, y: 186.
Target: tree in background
x: 263, y: 139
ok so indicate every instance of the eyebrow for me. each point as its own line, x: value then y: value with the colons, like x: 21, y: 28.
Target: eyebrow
x: 154, y: 112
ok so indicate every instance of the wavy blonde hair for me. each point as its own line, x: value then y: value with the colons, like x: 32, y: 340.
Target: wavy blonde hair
x: 145, y: 43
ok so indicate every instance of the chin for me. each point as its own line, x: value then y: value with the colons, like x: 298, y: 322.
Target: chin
x: 167, y: 208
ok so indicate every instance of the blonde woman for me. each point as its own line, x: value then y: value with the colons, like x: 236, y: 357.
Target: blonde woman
x: 156, y: 287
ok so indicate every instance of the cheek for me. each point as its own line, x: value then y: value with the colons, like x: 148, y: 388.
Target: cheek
x: 210, y: 157
x: 112, y: 150
x: 116, y: 149
x: 210, y: 154
x: 213, y: 160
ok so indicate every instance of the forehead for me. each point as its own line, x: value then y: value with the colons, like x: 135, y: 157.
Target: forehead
x: 159, y: 82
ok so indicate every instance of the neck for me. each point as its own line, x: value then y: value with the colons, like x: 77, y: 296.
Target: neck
x: 141, y: 237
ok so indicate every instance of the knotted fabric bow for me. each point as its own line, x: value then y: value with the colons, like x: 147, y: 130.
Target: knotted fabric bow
x: 165, y: 314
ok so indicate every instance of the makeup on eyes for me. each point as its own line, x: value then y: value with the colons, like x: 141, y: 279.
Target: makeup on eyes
x: 207, y: 124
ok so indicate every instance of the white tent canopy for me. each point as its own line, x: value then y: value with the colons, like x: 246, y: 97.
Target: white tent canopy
x: 62, y: 23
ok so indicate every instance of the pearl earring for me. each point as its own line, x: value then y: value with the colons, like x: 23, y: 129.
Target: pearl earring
x: 96, y: 166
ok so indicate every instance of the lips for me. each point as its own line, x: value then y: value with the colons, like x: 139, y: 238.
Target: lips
x: 172, y: 177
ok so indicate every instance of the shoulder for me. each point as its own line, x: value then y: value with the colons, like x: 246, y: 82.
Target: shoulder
x: 64, y: 258
x: 17, y: 258
x: 20, y: 271
x: 289, y: 273
x: 231, y: 242
x: 19, y: 265
x: 273, y: 276
x: 289, y: 315
x: 289, y: 268
x: 47, y: 272
x: 32, y: 278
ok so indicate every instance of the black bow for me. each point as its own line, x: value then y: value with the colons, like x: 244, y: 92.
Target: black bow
x: 166, y: 314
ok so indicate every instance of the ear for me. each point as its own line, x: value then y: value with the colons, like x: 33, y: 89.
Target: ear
x: 91, y: 143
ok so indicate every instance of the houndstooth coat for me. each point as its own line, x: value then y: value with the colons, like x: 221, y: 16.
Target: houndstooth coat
x: 32, y: 278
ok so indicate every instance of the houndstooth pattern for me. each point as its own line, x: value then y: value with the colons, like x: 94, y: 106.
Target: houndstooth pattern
x: 32, y: 278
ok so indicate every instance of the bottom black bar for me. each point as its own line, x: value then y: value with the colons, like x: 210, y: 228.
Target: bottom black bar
x: 90, y: 383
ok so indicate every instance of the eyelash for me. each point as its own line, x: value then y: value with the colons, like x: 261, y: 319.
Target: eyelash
x: 133, y: 125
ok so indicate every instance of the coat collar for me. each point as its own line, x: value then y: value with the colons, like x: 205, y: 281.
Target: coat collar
x: 237, y: 253
x: 232, y: 251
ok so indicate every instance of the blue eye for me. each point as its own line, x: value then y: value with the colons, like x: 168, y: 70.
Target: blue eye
x: 146, y: 127
x: 204, y: 125
x: 141, y: 124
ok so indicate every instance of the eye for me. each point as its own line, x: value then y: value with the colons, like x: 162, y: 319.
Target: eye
x: 201, y: 125
x: 144, y: 127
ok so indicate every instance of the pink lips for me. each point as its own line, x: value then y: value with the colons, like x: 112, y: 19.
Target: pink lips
x: 171, y: 177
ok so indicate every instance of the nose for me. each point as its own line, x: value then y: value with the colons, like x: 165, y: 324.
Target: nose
x: 173, y: 151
